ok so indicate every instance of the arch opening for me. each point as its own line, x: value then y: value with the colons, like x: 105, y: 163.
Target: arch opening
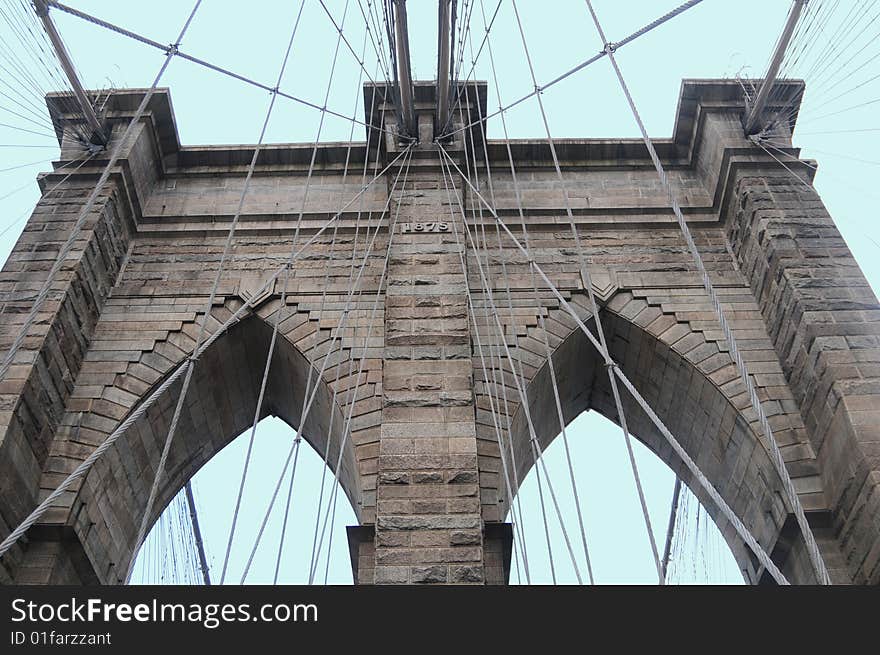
x: 169, y: 554
x: 703, y: 415
x: 220, y: 406
x: 615, y: 530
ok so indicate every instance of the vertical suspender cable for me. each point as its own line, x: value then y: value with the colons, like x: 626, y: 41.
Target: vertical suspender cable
x: 524, y: 401
x: 197, y: 533
x: 542, y: 325
x: 85, y: 466
x: 670, y: 530
x: 585, y: 275
x: 729, y: 514
x: 774, y: 452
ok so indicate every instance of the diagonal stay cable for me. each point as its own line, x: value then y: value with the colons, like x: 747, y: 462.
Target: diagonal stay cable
x: 206, y: 64
x: 346, y: 430
x: 79, y: 161
x: 515, y: 508
x: 511, y: 488
x: 353, y: 391
x: 544, y: 332
x: 30, y: 47
x: 371, y: 27
x: 774, y: 451
x: 287, y: 505
x: 594, y: 310
x: 86, y: 465
x: 294, y: 454
x: 91, y: 201
x: 261, y: 396
x: 689, y: 463
x: 345, y: 313
x: 501, y: 336
x: 309, y: 398
x: 227, y: 247
x: 519, y: 381
x: 30, y: 163
x: 339, y: 366
x: 339, y: 27
x: 280, y: 548
x: 587, y: 62
x: 350, y: 284
x: 27, y: 131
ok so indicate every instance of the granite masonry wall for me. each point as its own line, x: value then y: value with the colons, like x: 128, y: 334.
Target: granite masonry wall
x: 407, y: 354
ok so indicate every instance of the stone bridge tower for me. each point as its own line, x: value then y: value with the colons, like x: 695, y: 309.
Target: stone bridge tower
x: 422, y: 466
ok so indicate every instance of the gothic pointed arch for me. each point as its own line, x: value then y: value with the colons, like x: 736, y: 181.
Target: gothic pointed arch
x: 681, y: 368
x: 103, y: 511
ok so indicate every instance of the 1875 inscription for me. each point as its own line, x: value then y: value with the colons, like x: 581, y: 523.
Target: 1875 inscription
x: 409, y: 228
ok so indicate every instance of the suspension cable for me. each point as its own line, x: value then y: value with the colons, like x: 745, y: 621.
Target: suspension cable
x: 351, y: 273
x: 307, y: 406
x: 206, y: 64
x: 175, y: 375
x: 543, y: 330
x: 571, y: 71
x: 775, y: 454
x: 516, y: 515
x: 89, y: 205
x: 346, y: 430
x: 533, y: 438
x: 284, y: 290
x: 227, y: 247
x: 337, y: 334
x: 594, y: 310
x: 689, y: 463
x: 670, y: 529
x: 511, y: 489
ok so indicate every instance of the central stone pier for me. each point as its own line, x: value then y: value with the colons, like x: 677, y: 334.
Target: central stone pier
x: 428, y: 524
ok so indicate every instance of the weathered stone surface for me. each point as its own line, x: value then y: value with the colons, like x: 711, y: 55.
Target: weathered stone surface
x: 424, y: 359
x: 430, y: 574
x: 466, y: 575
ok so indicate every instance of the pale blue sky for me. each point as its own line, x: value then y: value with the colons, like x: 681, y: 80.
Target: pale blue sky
x: 715, y: 39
